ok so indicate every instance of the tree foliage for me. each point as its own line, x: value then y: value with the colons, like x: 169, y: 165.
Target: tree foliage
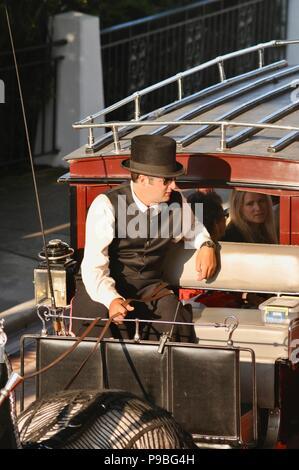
x: 30, y: 17
x: 29, y: 20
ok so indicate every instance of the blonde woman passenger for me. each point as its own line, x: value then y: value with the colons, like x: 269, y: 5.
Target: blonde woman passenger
x: 251, y: 218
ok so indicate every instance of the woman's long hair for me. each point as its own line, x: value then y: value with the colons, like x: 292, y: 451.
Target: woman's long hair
x: 252, y: 233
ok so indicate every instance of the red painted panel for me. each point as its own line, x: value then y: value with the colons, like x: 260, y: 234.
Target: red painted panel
x: 93, y: 191
x: 227, y: 167
x: 81, y: 215
x: 243, y: 168
x: 295, y: 220
x: 285, y: 220
x: 98, y: 167
x: 85, y: 196
x: 271, y: 192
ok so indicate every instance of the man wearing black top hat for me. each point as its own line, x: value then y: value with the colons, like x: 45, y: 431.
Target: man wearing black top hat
x: 126, y: 244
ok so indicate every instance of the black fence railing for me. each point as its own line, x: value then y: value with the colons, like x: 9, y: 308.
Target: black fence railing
x: 143, y: 52
x: 38, y: 73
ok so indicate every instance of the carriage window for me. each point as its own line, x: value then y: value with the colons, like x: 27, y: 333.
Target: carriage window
x: 253, y: 218
x: 238, y: 216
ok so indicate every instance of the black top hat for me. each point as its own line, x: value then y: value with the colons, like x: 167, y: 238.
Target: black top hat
x: 154, y: 155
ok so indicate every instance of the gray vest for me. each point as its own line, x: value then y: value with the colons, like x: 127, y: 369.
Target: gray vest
x: 139, y: 259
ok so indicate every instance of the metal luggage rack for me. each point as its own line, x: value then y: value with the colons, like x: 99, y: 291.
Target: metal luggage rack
x: 224, y: 125
x: 126, y: 126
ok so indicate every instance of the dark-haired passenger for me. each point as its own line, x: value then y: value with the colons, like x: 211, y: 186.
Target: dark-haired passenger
x: 214, y: 217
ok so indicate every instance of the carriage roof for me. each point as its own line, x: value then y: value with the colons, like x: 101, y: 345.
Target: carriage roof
x: 252, y: 115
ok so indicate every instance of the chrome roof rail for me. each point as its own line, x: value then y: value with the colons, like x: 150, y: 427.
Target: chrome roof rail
x: 222, y: 99
x: 251, y: 131
x: 233, y: 113
x: 219, y: 61
x: 223, y: 125
x: 284, y: 142
x: 204, y: 93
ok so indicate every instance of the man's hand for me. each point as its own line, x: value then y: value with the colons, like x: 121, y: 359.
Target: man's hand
x: 117, y: 306
x: 206, y: 262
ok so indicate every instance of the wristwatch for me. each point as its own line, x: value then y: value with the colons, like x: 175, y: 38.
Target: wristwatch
x: 209, y: 244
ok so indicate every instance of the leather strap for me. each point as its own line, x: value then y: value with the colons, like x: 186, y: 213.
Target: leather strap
x: 159, y: 292
x: 65, y: 353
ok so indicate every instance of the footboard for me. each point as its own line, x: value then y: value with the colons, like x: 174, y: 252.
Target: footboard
x: 199, y: 385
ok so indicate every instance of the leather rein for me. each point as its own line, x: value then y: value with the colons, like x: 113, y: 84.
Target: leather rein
x: 160, y: 291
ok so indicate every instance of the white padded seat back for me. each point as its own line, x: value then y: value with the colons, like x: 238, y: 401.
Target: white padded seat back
x: 244, y: 267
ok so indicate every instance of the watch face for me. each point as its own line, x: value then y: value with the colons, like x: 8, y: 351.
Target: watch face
x: 209, y: 243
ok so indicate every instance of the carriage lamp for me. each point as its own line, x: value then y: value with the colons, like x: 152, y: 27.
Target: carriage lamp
x: 62, y: 268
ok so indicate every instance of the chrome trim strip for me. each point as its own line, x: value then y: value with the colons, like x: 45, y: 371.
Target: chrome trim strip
x: 245, y: 134
x: 284, y: 142
x: 223, y: 99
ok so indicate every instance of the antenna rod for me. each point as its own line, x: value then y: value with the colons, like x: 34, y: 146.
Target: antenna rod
x: 53, y: 304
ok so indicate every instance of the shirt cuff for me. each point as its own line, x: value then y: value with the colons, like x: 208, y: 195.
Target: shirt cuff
x: 109, y: 297
x: 196, y: 243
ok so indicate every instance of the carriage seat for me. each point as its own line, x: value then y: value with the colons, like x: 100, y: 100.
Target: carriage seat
x: 272, y: 269
x: 244, y: 267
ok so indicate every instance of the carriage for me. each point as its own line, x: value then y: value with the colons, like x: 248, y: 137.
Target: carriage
x: 237, y: 386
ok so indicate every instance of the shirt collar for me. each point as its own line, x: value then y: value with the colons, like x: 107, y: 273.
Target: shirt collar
x: 141, y: 206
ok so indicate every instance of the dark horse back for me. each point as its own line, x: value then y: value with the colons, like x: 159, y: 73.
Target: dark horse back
x: 7, y: 432
x: 109, y: 419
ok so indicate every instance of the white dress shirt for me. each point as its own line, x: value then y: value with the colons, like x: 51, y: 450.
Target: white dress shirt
x: 100, y: 229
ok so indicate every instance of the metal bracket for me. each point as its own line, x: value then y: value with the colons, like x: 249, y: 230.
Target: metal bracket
x: 137, y: 332
x: 3, y: 341
x: 231, y: 323
x: 163, y: 340
x: 43, y: 313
